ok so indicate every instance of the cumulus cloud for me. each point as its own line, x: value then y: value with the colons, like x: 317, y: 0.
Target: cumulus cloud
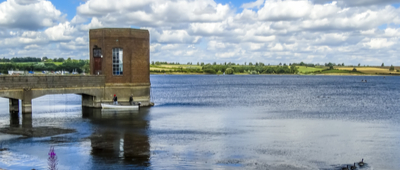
x: 269, y: 31
x: 154, y: 12
x: 358, y: 2
x: 30, y: 15
x: 26, y: 2
x: 378, y: 43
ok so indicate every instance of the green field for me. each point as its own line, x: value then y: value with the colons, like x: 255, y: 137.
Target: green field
x: 340, y: 72
x: 306, y: 70
x: 172, y: 68
x: 370, y: 70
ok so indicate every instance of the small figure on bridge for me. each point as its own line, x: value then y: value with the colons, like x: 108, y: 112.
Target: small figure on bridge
x: 131, y: 100
x: 115, y: 100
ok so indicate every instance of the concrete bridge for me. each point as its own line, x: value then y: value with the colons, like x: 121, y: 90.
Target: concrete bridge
x: 93, y: 90
x: 119, y: 64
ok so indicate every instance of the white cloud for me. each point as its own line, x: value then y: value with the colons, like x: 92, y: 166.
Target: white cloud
x: 31, y: 15
x: 94, y: 23
x: 378, y: 43
x: 26, y: 2
x: 60, y: 32
x: 276, y: 10
x: 269, y: 31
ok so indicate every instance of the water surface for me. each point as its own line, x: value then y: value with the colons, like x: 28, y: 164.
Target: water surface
x: 221, y: 122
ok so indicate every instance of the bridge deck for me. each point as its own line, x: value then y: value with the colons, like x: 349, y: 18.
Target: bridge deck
x: 93, y: 89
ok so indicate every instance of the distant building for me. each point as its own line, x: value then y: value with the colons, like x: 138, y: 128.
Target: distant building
x: 12, y: 72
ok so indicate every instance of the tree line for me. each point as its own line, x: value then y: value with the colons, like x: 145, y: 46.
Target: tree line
x: 30, y: 59
x: 251, y: 69
x: 33, y: 64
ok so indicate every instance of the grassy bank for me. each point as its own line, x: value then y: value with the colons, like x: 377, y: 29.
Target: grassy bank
x: 302, y: 70
x: 371, y: 70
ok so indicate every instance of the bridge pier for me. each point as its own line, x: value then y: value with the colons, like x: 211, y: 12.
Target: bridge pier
x: 14, y: 106
x: 27, y: 102
x: 26, y: 106
x: 88, y: 100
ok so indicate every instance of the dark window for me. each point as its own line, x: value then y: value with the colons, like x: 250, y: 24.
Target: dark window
x: 97, y: 52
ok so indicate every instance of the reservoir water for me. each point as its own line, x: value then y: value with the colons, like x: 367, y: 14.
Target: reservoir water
x: 220, y: 122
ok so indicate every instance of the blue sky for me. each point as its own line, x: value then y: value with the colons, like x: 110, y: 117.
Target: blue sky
x: 269, y: 31
x: 67, y: 6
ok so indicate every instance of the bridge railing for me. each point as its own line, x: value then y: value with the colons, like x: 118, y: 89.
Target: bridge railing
x: 37, y: 82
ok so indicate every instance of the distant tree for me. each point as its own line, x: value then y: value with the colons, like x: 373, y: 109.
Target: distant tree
x: 391, y: 68
x: 342, y: 64
x: 256, y: 63
x: 284, y: 64
x: 244, y: 63
x: 383, y: 65
x: 293, y: 69
x: 301, y: 63
x: 331, y: 67
x: 359, y: 64
x: 44, y: 58
x: 354, y: 69
x: 225, y: 63
x: 202, y: 64
x: 280, y: 64
x: 229, y: 71
x: 152, y: 63
x: 250, y: 63
x: 214, y: 63
x: 198, y: 63
x: 209, y: 71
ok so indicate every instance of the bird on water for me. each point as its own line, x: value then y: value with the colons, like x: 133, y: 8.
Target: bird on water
x: 353, y: 167
x: 346, y: 168
x: 361, y: 163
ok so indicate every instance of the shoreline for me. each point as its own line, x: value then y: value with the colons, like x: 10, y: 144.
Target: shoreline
x: 328, y: 74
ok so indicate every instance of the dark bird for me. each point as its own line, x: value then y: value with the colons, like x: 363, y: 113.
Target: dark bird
x: 353, y: 167
x: 346, y: 168
x: 361, y: 163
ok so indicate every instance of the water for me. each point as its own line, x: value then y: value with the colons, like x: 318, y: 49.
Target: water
x: 222, y: 122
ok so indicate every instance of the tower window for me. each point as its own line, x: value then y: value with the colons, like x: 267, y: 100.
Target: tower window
x: 117, y: 61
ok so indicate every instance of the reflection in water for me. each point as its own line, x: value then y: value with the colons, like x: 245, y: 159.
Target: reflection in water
x: 119, y: 137
x: 230, y: 122
x: 14, y: 120
x: 26, y: 120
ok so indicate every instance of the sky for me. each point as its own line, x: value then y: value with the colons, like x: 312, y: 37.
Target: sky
x: 268, y: 31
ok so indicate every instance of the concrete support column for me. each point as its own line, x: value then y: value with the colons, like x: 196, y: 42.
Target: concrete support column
x: 14, y: 106
x: 26, y: 120
x: 87, y: 100
x: 27, y: 102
